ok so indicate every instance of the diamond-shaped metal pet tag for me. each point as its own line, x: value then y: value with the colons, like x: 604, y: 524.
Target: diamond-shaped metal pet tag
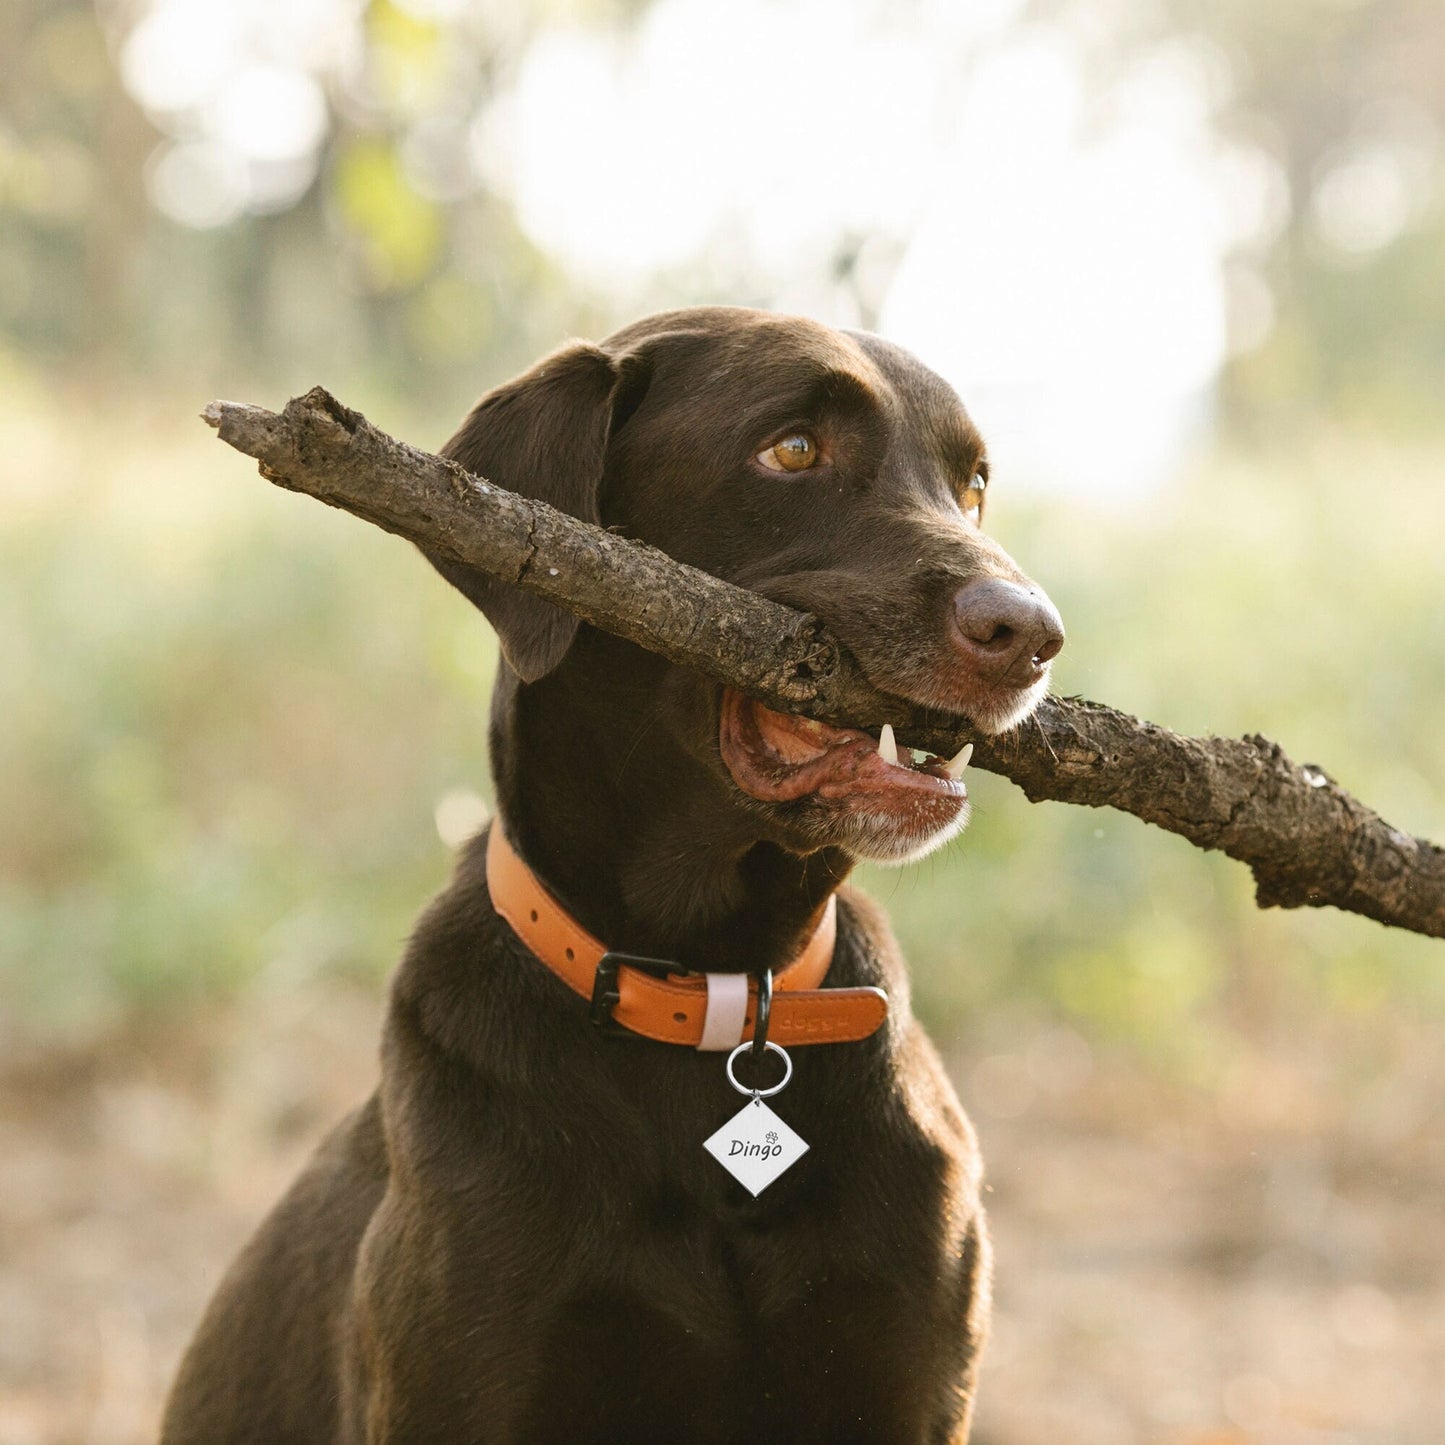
x: 755, y: 1146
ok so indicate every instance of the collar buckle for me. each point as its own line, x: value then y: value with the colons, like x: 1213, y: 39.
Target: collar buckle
x: 605, y: 994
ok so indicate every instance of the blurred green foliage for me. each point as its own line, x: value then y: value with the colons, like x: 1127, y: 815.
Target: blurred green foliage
x: 401, y: 255
x: 228, y: 715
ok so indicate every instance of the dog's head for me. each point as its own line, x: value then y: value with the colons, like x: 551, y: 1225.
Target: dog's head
x: 827, y: 470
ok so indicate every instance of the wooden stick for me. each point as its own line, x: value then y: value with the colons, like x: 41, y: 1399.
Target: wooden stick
x: 1307, y: 841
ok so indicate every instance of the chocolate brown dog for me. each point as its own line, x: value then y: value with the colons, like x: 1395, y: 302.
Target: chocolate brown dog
x: 520, y: 1238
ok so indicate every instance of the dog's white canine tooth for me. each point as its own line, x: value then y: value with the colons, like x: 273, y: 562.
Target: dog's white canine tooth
x: 887, y: 748
x: 955, y: 765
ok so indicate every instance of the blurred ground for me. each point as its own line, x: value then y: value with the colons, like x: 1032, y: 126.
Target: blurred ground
x: 1176, y: 1266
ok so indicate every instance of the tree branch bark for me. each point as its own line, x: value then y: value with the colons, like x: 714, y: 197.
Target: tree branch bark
x: 1307, y: 841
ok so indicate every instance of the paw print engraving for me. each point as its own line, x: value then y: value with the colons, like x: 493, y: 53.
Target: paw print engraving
x: 772, y: 1136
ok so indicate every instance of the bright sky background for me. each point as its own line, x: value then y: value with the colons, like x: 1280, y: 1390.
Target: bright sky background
x: 1055, y: 248
x: 1062, y: 258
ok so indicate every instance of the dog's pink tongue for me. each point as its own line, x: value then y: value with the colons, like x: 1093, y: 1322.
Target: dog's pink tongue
x: 775, y: 756
x: 793, y: 739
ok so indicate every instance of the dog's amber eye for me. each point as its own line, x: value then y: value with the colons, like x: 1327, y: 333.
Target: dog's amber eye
x: 793, y: 454
x: 971, y: 502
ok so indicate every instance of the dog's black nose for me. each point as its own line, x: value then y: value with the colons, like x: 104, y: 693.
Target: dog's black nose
x: 1008, y: 632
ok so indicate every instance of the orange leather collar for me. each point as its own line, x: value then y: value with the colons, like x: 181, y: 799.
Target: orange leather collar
x: 711, y: 1011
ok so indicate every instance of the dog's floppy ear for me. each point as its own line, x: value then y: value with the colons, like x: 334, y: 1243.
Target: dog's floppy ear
x: 543, y: 434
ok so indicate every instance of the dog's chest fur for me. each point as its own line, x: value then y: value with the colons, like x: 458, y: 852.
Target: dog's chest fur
x: 571, y: 1213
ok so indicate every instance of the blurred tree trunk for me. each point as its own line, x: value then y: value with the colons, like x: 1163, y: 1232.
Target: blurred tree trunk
x: 115, y: 226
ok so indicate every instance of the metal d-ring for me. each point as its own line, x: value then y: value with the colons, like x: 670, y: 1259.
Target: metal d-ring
x: 761, y: 1093
x: 764, y: 1014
